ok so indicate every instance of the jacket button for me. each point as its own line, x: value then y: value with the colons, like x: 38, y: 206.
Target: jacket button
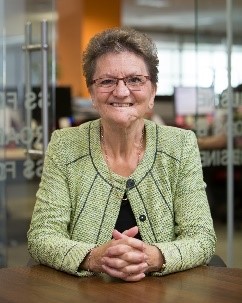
x: 142, y: 218
x: 130, y: 183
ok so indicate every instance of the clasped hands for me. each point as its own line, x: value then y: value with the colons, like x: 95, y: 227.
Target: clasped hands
x: 125, y: 257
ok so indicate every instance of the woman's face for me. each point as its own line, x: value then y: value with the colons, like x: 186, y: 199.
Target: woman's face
x: 122, y: 105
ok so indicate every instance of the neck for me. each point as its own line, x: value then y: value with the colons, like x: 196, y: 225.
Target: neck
x: 122, y: 141
x: 122, y: 155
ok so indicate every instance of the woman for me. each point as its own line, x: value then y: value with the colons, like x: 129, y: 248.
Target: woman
x: 120, y: 194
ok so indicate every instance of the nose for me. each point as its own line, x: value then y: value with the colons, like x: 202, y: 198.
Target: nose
x: 121, y: 90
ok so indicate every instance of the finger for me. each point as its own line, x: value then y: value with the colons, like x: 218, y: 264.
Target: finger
x: 117, y: 250
x: 121, y: 275
x: 132, y: 232
x: 126, y: 254
x: 114, y: 262
x: 135, y: 268
x: 135, y: 265
x: 125, y: 266
x: 130, y: 243
x: 117, y: 235
x: 134, y: 278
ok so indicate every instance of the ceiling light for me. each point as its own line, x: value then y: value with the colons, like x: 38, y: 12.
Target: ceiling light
x: 152, y: 3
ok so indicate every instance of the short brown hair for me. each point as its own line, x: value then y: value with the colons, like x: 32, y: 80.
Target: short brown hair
x: 118, y: 40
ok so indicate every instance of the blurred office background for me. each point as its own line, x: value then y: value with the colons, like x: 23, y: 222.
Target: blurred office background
x: 41, y: 88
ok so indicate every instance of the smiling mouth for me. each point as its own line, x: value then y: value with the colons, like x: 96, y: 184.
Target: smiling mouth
x: 121, y: 104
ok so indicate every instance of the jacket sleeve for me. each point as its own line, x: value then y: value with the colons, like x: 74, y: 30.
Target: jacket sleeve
x: 49, y: 241
x: 195, y: 239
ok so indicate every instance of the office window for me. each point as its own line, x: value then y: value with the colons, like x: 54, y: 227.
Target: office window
x: 168, y: 76
x: 183, y: 65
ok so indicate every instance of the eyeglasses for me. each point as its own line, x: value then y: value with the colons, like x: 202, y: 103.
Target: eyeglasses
x: 132, y: 82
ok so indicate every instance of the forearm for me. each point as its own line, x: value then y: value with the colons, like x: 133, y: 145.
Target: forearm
x: 212, y: 142
x: 182, y: 254
x: 58, y: 252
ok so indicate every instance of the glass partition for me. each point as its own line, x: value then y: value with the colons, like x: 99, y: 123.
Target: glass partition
x: 219, y: 131
x: 3, y: 250
x: 27, y: 101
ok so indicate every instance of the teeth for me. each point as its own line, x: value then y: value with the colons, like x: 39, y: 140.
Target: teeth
x: 121, y: 104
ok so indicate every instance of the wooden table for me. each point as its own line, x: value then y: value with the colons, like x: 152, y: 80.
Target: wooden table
x: 40, y: 284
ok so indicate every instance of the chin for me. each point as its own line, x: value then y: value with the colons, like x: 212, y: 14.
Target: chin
x: 125, y: 121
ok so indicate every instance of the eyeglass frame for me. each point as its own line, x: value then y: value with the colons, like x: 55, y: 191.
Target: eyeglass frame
x: 118, y: 79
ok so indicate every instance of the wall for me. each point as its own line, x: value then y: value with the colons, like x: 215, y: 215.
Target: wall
x: 78, y: 20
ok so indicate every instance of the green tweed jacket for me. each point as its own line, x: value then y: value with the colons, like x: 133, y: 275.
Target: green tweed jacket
x: 77, y: 204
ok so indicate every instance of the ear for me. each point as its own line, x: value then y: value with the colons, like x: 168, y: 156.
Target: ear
x: 152, y: 97
x: 151, y: 104
x: 93, y: 104
x: 92, y: 97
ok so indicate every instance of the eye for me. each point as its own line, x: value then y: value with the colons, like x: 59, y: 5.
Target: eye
x: 135, y: 80
x: 106, y: 82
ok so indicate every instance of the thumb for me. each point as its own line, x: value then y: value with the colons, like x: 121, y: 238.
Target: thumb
x: 132, y: 232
